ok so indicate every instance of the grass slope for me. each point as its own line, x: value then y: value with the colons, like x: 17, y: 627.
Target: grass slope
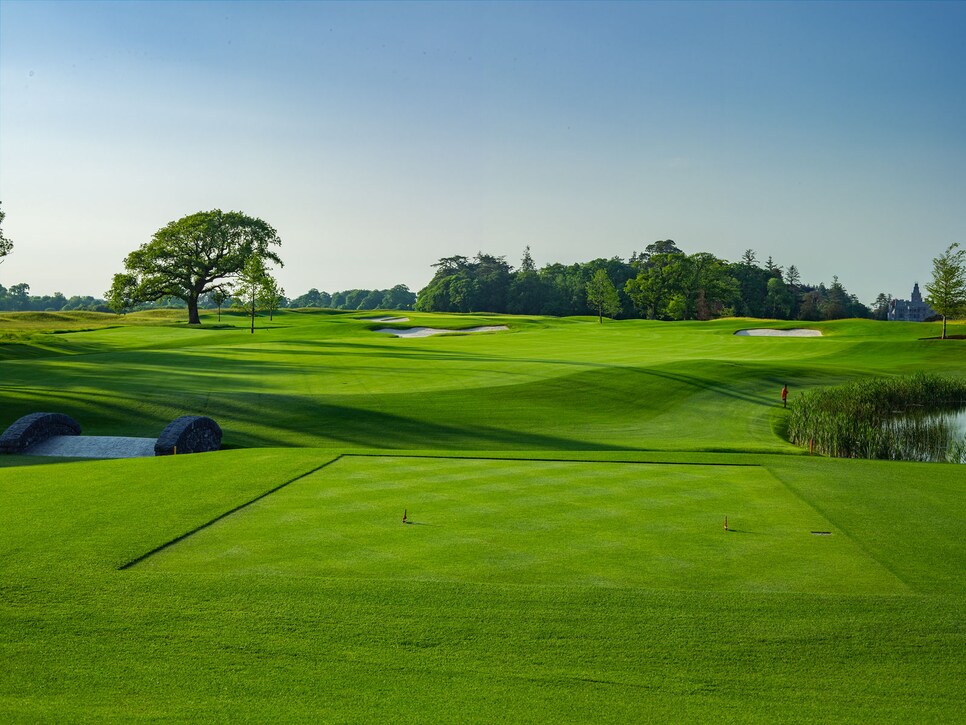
x: 329, y: 381
x: 568, y: 561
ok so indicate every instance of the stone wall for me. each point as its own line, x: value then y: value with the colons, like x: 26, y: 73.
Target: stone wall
x: 189, y: 434
x: 35, y: 428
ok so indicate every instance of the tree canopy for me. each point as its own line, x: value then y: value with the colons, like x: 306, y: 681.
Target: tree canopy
x: 251, y: 284
x: 192, y: 256
x: 6, y: 246
x: 661, y: 283
x: 464, y: 285
x: 602, y: 295
x: 947, y: 291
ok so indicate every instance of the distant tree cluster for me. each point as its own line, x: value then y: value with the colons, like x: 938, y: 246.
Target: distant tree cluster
x: 208, y: 260
x: 19, y: 299
x: 397, y: 298
x: 660, y: 283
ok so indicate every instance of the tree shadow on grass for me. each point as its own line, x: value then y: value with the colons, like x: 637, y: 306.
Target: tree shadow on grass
x: 325, y: 423
x: 258, y: 420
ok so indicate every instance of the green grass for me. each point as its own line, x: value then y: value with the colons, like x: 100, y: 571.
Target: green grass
x: 568, y: 483
x: 329, y: 381
x: 552, y: 523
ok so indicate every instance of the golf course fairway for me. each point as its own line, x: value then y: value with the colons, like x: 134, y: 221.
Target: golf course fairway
x: 564, y: 556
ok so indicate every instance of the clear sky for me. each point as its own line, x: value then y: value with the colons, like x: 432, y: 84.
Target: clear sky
x: 378, y: 137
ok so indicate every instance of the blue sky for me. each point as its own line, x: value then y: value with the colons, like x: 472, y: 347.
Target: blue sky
x: 379, y: 137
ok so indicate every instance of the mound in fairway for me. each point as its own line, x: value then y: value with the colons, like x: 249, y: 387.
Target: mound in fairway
x: 537, y: 522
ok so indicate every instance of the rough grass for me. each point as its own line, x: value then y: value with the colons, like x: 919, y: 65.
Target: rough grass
x: 853, y: 420
x: 569, y: 574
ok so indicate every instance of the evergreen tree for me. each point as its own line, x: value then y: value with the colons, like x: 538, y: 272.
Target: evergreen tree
x: 835, y: 306
x: 880, y: 307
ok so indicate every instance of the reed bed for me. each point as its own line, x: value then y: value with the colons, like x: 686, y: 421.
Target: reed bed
x: 898, y: 418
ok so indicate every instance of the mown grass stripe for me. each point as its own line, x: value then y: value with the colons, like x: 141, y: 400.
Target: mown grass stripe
x: 219, y: 517
x: 830, y: 516
x: 457, y: 457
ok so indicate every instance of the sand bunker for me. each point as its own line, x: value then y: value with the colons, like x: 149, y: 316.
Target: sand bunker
x: 386, y: 319
x: 767, y: 332
x: 94, y: 447
x: 429, y: 331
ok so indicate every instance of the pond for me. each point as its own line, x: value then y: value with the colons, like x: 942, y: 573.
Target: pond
x: 936, y: 437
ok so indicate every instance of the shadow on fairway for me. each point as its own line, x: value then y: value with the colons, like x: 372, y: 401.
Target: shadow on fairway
x: 360, y: 427
x: 709, y: 385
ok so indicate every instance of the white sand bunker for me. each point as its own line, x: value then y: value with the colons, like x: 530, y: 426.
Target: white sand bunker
x: 94, y: 447
x: 768, y: 332
x: 429, y: 331
x: 386, y: 319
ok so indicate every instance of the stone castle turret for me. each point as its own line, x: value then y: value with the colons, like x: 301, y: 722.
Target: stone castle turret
x: 914, y: 310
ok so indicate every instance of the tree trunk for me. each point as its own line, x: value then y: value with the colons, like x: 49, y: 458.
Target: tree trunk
x: 944, y: 327
x: 193, y: 318
x: 253, y: 315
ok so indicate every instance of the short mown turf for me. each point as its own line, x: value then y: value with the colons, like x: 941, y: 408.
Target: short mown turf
x: 558, y: 523
x: 567, y: 484
x: 314, y: 613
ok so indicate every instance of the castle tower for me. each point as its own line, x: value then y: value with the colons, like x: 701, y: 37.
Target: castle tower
x: 914, y: 310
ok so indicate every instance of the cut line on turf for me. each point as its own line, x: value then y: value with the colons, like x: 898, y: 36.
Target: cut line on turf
x: 456, y: 457
x: 216, y: 519
x: 536, y: 522
x: 236, y: 509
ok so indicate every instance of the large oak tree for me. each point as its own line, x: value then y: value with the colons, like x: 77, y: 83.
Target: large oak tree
x: 192, y: 256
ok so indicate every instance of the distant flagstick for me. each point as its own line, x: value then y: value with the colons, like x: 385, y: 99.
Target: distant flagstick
x: 405, y: 511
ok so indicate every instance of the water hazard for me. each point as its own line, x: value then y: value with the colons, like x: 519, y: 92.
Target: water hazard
x: 935, y: 437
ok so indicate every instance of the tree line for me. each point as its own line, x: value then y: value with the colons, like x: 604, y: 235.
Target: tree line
x: 18, y: 299
x: 396, y: 298
x: 660, y: 283
x: 210, y: 259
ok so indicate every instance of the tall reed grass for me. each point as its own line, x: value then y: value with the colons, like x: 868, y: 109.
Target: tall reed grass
x: 897, y: 418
